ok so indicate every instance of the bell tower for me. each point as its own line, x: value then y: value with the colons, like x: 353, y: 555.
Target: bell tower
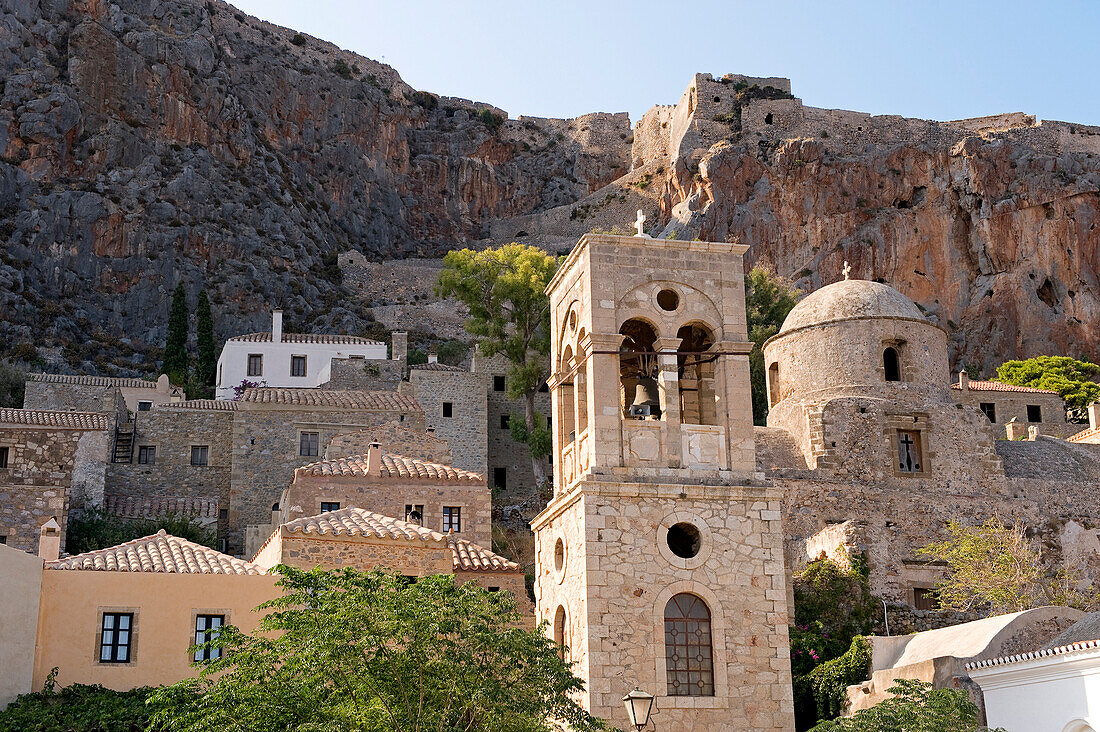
x: 660, y: 557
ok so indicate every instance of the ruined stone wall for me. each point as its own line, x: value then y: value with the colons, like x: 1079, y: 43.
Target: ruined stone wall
x: 504, y: 452
x: 73, y: 398
x: 364, y: 374
x: 389, y: 496
x: 1013, y: 405
x: 412, y: 558
x: 464, y: 430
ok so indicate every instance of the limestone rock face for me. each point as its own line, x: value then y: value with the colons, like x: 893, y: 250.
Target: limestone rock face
x: 147, y: 142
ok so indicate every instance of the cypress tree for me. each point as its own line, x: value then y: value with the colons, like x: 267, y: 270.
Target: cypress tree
x: 206, y: 364
x: 176, y: 363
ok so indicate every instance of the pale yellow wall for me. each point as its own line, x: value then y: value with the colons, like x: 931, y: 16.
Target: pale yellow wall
x: 21, y: 579
x: 164, y: 607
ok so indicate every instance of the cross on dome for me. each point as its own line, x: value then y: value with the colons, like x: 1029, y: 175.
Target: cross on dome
x: 847, y: 269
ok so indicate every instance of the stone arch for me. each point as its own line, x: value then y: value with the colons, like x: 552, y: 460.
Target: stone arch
x: 689, y: 646
x: 638, y: 367
x: 580, y: 383
x: 717, y: 626
x: 641, y: 302
x: 773, y: 384
x: 561, y: 632
x: 566, y: 417
x: 891, y: 363
x: 695, y: 363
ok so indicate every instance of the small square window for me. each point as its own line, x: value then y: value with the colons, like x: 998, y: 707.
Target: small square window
x: 200, y: 454
x: 1034, y: 413
x: 414, y: 513
x: 504, y: 421
x: 452, y: 519
x: 309, y: 444
x: 147, y: 455
x: 327, y: 506
x: 297, y: 365
x: 494, y: 589
x: 255, y: 364
x: 223, y: 514
x: 144, y: 406
x: 206, y: 629
x: 115, y: 637
x: 925, y: 599
x: 498, y: 383
x: 500, y: 477
x: 909, y: 451
x: 4, y: 457
x: 990, y: 410
x: 448, y: 409
x: 3, y: 538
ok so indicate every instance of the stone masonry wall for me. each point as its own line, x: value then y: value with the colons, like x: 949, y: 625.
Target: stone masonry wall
x: 364, y: 374
x: 73, y: 398
x: 504, y: 452
x: 394, y: 438
x: 413, y: 558
x: 1013, y: 405
x: 464, y: 430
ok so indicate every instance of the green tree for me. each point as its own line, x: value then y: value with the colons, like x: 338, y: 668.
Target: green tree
x: 95, y: 528
x: 504, y: 290
x: 915, y: 707
x: 998, y: 567
x: 1073, y: 379
x: 13, y: 385
x: 768, y: 300
x: 348, y: 650
x: 206, y: 365
x: 176, y: 361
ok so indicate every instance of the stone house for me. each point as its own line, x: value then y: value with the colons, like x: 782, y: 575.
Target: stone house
x: 50, y: 462
x: 1090, y: 435
x: 455, y: 409
x: 98, y: 393
x: 278, y: 359
x: 438, y: 497
x: 1022, y: 405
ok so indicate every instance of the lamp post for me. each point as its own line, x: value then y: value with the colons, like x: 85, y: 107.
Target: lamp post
x: 638, y: 706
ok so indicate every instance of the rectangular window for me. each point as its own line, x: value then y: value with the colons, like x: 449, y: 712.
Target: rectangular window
x: 144, y: 406
x: 990, y: 410
x: 327, y: 506
x: 200, y: 454
x: 909, y: 451
x: 147, y: 455
x: 452, y: 519
x: 114, y: 641
x: 309, y: 444
x: 1034, y: 413
x: 3, y: 539
x: 500, y: 477
x: 206, y: 629
x: 223, y: 514
x: 924, y: 599
x: 3, y: 457
x: 414, y: 513
x: 498, y: 383
x: 504, y: 421
x: 255, y: 364
x: 297, y: 365
x: 448, y: 409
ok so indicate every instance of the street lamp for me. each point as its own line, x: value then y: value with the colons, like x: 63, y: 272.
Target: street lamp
x: 638, y: 706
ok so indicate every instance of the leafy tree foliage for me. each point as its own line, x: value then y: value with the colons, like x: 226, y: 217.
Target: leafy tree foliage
x: 768, y: 300
x: 206, y: 365
x: 915, y: 707
x: 1073, y: 379
x: 504, y: 290
x: 998, y: 567
x: 348, y: 650
x: 822, y: 693
x: 13, y: 385
x: 176, y: 360
x: 78, y: 708
x: 96, y: 529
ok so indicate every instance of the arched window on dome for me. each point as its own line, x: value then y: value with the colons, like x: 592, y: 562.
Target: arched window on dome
x: 689, y: 650
x: 891, y: 364
x: 773, y: 384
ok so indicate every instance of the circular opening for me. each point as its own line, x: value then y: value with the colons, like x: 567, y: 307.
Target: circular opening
x: 684, y: 540
x: 668, y: 300
x: 559, y: 555
x: 573, y: 320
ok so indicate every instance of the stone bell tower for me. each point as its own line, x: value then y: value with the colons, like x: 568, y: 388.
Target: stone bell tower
x: 660, y: 557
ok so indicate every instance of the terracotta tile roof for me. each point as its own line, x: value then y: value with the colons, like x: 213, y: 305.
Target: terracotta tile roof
x: 352, y: 521
x: 394, y: 466
x: 998, y: 386
x: 226, y: 405
x: 93, y: 380
x: 334, y: 339
x: 1090, y: 435
x: 437, y: 367
x: 160, y: 553
x: 60, y: 420
x: 374, y: 400
x: 1045, y: 652
x: 154, y: 506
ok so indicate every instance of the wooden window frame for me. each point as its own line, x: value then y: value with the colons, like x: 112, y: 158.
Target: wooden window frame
x: 204, y: 655
x: 205, y: 456
x: 248, y: 365
x: 316, y: 446
x: 114, y: 645
x: 327, y: 506
x: 451, y: 518
x: 144, y: 452
x: 294, y: 360
x: 991, y: 413
x: 687, y: 667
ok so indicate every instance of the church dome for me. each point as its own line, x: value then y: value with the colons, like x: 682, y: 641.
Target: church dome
x: 850, y: 299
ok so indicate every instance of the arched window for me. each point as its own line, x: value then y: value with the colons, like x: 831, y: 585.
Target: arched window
x: 696, y: 373
x: 566, y: 404
x: 689, y: 658
x: 581, y: 386
x: 773, y: 384
x: 638, y: 371
x: 560, y: 636
x: 891, y: 366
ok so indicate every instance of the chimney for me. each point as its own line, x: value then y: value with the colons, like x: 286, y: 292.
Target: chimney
x: 1094, y: 415
x: 433, y: 358
x: 276, y: 326
x: 1032, y: 432
x: 399, y: 345
x: 374, y: 459
x: 49, y: 541
x: 1014, y: 430
x: 964, y: 380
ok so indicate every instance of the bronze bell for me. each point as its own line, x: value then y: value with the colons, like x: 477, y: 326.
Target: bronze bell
x: 647, y: 398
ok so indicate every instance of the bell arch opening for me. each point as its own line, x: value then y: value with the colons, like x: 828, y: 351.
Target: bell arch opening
x: 640, y: 394
x: 567, y: 418
x: 698, y: 399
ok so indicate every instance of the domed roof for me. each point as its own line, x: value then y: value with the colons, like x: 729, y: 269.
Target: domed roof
x: 850, y: 299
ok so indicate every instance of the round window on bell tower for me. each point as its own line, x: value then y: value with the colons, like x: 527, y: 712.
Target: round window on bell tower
x: 668, y: 300
x: 684, y: 540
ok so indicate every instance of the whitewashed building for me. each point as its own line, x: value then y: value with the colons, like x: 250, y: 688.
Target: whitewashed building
x: 287, y: 359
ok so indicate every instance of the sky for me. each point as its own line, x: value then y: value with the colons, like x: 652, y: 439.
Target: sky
x: 560, y: 58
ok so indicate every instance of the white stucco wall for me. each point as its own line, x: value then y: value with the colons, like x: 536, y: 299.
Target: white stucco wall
x: 1052, y: 693
x: 21, y: 578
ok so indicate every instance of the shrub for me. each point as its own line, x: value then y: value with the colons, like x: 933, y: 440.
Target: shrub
x: 96, y: 529
x: 491, y: 121
x: 79, y: 708
x: 341, y: 69
x: 298, y: 39
x: 823, y: 690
